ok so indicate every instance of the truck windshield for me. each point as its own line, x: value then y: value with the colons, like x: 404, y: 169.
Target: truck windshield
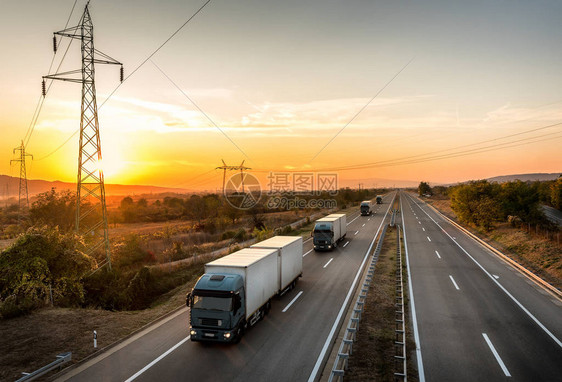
x: 212, y: 303
x: 322, y: 228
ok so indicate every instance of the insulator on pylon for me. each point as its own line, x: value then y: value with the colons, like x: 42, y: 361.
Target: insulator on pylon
x: 43, y: 88
x: 55, y: 44
x: 121, y: 73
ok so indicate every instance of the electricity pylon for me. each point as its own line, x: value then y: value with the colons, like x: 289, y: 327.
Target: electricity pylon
x: 90, y: 183
x: 23, y: 176
x: 226, y: 168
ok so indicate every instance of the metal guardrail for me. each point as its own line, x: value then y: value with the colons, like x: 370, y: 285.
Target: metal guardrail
x: 400, y: 327
x: 393, y: 217
x: 346, y: 346
x: 61, y: 360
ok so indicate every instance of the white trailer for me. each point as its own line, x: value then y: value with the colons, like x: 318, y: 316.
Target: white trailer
x: 289, y: 256
x: 329, y: 230
x: 259, y: 269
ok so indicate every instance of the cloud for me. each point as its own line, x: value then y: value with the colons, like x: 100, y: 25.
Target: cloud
x: 507, y: 114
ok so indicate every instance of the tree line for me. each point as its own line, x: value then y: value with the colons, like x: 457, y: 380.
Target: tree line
x: 482, y: 203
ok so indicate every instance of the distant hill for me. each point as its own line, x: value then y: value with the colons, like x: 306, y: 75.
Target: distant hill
x: 524, y: 177
x: 37, y: 186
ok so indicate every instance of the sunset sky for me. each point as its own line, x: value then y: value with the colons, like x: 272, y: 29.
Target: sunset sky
x: 281, y: 78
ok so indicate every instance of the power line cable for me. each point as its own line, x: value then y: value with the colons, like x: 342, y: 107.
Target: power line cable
x: 468, y: 145
x: 427, y: 156
x: 201, y: 110
x: 156, y: 51
x: 363, y: 108
x: 41, y: 99
x: 133, y: 72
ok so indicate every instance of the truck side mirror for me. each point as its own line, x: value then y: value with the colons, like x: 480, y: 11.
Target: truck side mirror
x: 188, y: 300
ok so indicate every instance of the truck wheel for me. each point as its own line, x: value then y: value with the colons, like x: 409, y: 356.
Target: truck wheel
x: 267, y: 307
x: 238, y: 335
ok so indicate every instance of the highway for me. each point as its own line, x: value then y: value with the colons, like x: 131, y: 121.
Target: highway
x: 476, y: 318
x: 552, y: 214
x: 290, y: 344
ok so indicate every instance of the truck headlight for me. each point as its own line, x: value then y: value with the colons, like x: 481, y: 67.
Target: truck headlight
x: 192, y: 332
x: 227, y: 335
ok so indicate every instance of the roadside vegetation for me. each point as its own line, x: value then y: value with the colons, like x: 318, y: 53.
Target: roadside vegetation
x: 49, y: 285
x: 509, y: 217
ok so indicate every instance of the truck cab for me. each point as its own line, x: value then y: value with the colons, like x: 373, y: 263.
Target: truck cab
x: 365, y: 208
x: 323, y: 235
x: 217, y: 308
x: 379, y: 199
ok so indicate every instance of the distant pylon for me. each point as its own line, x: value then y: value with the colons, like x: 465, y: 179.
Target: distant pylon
x: 226, y: 168
x: 23, y: 175
x: 90, y: 184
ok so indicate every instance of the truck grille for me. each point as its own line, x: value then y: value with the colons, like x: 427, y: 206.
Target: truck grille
x: 211, y: 322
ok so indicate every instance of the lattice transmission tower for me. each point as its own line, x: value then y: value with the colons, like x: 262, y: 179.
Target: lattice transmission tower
x: 226, y: 168
x: 91, y: 211
x: 23, y: 174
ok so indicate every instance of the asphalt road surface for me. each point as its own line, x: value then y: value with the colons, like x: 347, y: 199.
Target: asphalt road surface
x: 290, y: 344
x: 476, y: 318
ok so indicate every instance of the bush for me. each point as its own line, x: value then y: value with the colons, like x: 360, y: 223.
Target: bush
x: 228, y: 235
x: 130, y: 252
x: 104, y: 289
x: 240, y: 235
x: 140, y: 290
x: 41, y: 258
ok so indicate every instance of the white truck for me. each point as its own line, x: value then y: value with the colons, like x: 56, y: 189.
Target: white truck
x: 328, y: 231
x: 289, y: 257
x: 236, y: 290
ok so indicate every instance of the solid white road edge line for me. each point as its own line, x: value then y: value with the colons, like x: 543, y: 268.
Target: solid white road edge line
x: 157, y: 359
x: 116, y: 348
x: 493, y: 349
x: 421, y: 373
x: 329, y: 261
x: 454, y: 283
x: 499, y: 285
x: 292, y: 302
x: 314, y: 372
x: 308, y: 252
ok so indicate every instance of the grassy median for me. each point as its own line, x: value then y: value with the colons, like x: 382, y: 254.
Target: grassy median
x: 374, y: 351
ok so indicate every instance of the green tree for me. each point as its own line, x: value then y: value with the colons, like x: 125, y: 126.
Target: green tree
x: 128, y: 210
x: 476, y: 203
x: 41, y: 259
x: 424, y: 188
x: 54, y: 209
x: 556, y: 193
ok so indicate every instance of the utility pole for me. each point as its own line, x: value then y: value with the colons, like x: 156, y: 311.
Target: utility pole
x: 226, y: 168
x: 90, y: 188
x: 23, y: 176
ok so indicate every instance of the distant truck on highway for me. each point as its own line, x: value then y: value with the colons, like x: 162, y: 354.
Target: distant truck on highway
x: 379, y: 199
x: 236, y: 290
x: 328, y: 231
x: 365, y: 208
